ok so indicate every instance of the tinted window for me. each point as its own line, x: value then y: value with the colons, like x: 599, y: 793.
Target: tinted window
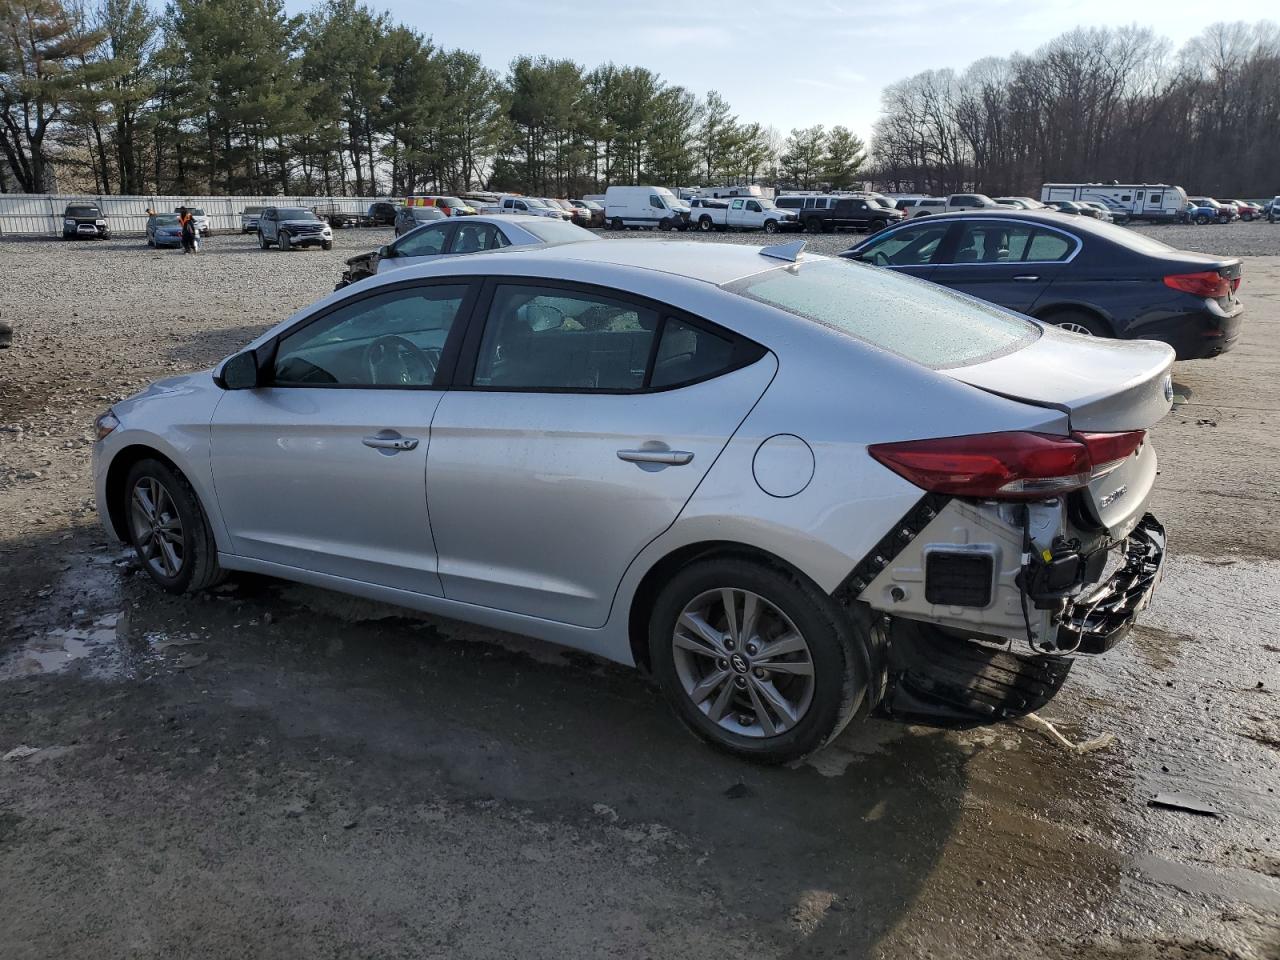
x: 932, y: 203
x: 911, y: 246
x: 295, y: 213
x: 992, y: 243
x: 914, y: 319
x: 790, y: 203
x: 558, y: 231
x: 1156, y: 197
x: 392, y: 339
x: 473, y: 237
x: 753, y: 206
x: 83, y: 212
x: 655, y: 201
x: 1046, y: 245
x: 687, y: 353
x: 423, y: 242
x: 543, y: 338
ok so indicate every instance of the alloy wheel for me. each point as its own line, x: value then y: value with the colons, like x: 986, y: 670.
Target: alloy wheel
x: 1076, y: 328
x: 743, y: 663
x: 157, y: 527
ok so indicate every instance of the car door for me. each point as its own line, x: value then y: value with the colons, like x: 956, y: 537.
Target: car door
x: 1006, y: 262
x: 323, y: 466
x: 266, y: 223
x: 580, y: 423
x: 419, y: 245
x: 736, y: 215
x: 914, y: 248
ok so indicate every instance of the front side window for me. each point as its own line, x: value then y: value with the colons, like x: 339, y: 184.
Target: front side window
x: 392, y: 339
x: 919, y: 321
x: 422, y: 243
x: 908, y: 247
x: 474, y: 237
x: 753, y: 206
x: 656, y: 201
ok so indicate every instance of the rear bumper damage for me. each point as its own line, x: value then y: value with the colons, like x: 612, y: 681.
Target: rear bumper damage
x: 980, y: 606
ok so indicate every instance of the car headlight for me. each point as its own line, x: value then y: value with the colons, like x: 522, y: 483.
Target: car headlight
x: 104, y: 424
x: 101, y: 223
x: 68, y: 223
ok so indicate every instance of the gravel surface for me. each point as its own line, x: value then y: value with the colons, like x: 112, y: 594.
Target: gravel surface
x: 273, y: 770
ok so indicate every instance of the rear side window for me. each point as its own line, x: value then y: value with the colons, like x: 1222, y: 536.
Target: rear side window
x: 1049, y: 246
x: 992, y: 243
x: 927, y: 324
x: 687, y: 353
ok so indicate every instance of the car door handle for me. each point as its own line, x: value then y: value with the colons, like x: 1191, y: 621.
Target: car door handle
x: 670, y: 458
x: 1026, y: 278
x: 388, y: 441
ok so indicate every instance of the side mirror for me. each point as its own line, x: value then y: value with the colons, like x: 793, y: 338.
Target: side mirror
x: 386, y: 252
x: 239, y: 372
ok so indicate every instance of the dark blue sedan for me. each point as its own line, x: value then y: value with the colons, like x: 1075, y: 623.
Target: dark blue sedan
x: 1091, y: 277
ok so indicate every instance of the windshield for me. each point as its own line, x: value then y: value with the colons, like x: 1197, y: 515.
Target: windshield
x: 535, y: 202
x: 83, y: 212
x: 452, y: 203
x: 919, y: 321
x: 669, y: 197
x: 252, y: 209
x: 295, y: 213
x: 425, y: 213
x: 558, y: 231
x: 165, y: 220
x: 766, y: 204
x: 195, y: 211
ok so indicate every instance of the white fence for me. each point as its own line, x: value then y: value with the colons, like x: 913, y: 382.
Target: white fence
x: 40, y: 215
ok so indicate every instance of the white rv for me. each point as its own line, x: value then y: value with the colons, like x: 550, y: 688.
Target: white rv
x: 1143, y: 201
x: 725, y: 193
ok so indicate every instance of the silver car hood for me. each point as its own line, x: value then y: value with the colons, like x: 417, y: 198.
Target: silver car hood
x: 1101, y: 384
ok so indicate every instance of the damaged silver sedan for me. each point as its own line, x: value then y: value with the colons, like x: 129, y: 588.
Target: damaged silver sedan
x: 794, y: 489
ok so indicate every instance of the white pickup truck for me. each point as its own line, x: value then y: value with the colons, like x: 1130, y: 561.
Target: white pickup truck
x: 740, y: 213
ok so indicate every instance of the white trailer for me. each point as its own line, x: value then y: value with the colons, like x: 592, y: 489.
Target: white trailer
x: 1143, y: 201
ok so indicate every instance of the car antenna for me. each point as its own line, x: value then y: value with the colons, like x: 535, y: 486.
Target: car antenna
x: 784, y: 251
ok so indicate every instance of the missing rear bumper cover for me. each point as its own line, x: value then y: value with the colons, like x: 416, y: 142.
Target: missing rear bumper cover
x: 1103, y: 617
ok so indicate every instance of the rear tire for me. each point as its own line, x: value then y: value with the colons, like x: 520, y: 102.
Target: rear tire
x: 769, y: 709
x: 173, y: 541
x: 1079, y: 321
x: 615, y: 224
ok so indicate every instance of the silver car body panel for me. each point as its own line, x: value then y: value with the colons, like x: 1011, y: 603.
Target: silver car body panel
x: 510, y: 226
x: 779, y: 462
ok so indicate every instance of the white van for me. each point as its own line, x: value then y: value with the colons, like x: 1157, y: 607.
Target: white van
x: 645, y: 207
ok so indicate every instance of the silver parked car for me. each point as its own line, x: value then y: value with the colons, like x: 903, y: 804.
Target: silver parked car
x: 793, y: 488
x: 453, y: 235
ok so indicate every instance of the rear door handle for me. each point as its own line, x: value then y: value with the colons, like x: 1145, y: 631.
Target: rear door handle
x: 391, y: 441
x: 670, y: 458
x: 1026, y: 278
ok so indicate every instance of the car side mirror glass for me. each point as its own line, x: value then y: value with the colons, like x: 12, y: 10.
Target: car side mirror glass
x: 240, y: 372
x: 386, y: 252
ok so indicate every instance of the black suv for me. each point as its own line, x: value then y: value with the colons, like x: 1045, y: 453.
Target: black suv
x: 84, y: 220
x: 853, y: 213
x: 382, y: 213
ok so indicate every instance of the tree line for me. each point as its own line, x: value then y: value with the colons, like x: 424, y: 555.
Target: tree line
x: 239, y: 97
x: 1093, y: 104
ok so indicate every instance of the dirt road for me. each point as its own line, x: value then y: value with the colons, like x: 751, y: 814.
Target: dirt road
x: 276, y: 771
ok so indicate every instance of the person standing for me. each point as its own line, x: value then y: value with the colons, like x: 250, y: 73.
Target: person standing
x: 188, y: 224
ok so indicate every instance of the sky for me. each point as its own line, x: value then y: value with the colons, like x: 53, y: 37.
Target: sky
x: 786, y: 64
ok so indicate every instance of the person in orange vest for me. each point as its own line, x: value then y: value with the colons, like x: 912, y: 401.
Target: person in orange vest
x: 188, y: 224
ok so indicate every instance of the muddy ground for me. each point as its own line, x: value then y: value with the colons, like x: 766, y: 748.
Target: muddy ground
x: 272, y: 770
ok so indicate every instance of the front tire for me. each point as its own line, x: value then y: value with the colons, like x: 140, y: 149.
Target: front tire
x: 285, y: 243
x: 771, y: 226
x: 263, y: 243
x: 168, y: 529
x: 757, y: 660
x: 327, y: 245
x: 813, y: 225
x: 877, y: 225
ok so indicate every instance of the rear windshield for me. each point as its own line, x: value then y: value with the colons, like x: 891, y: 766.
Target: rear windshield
x: 919, y: 321
x: 557, y: 231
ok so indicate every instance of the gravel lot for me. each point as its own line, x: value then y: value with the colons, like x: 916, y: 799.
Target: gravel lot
x: 278, y: 771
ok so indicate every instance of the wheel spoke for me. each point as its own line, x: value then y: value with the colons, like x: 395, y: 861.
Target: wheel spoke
x: 750, y: 615
x: 169, y: 557
x: 762, y: 715
x: 770, y: 695
x: 730, y: 600
x: 143, y: 502
x: 787, y: 643
x: 695, y: 645
x: 707, y: 685
x: 800, y: 668
x: 721, y: 703
x: 698, y: 626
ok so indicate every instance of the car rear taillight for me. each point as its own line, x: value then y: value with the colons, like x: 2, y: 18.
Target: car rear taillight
x: 1007, y: 466
x: 1209, y: 283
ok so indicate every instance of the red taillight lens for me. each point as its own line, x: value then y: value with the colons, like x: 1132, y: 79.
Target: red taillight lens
x: 1007, y: 466
x: 1210, y: 283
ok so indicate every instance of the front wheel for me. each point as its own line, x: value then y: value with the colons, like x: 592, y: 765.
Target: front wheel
x: 168, y: 529
x: 756, y: 660
x: 813, y: 225
x: 285, y: 243
x: 263, y: 243
x: 877, y: 225
x: 327, y: 245
x: 771, y: 226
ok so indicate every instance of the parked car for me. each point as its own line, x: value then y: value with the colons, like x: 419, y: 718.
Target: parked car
x: 1071, y: 207
x: 1119, y: 212
x: 744, y: 484
x: 449, y: 206
x: 1099, y: 210
x: 441, y: 239
x: 203, y: 226
x: 1247, y: 209
x: 566, y: 209
x: 84, y: 220
x: 922, y: 206
x: 337, y: 215
x: 741, y: 213
x: 164, y: 230
x: 1273, y: 210
x: 594, y: 210
x: 578, y: 215
x: 249, y: 219
x: 645, y: 206
x: 1020, y: 203
x: 849, y: 213
x: 1194, y: 213
x: 382, y: 213
x: 410, y: 218
x: 1085, y: 276
x: 1223, y: 212
x: 510, y: 204
x: 290, y: 227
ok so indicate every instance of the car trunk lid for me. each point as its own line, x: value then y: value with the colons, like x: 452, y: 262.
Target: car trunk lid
x: 1104, y: 386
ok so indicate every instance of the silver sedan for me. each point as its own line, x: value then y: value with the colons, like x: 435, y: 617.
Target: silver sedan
x: 793, y: 489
